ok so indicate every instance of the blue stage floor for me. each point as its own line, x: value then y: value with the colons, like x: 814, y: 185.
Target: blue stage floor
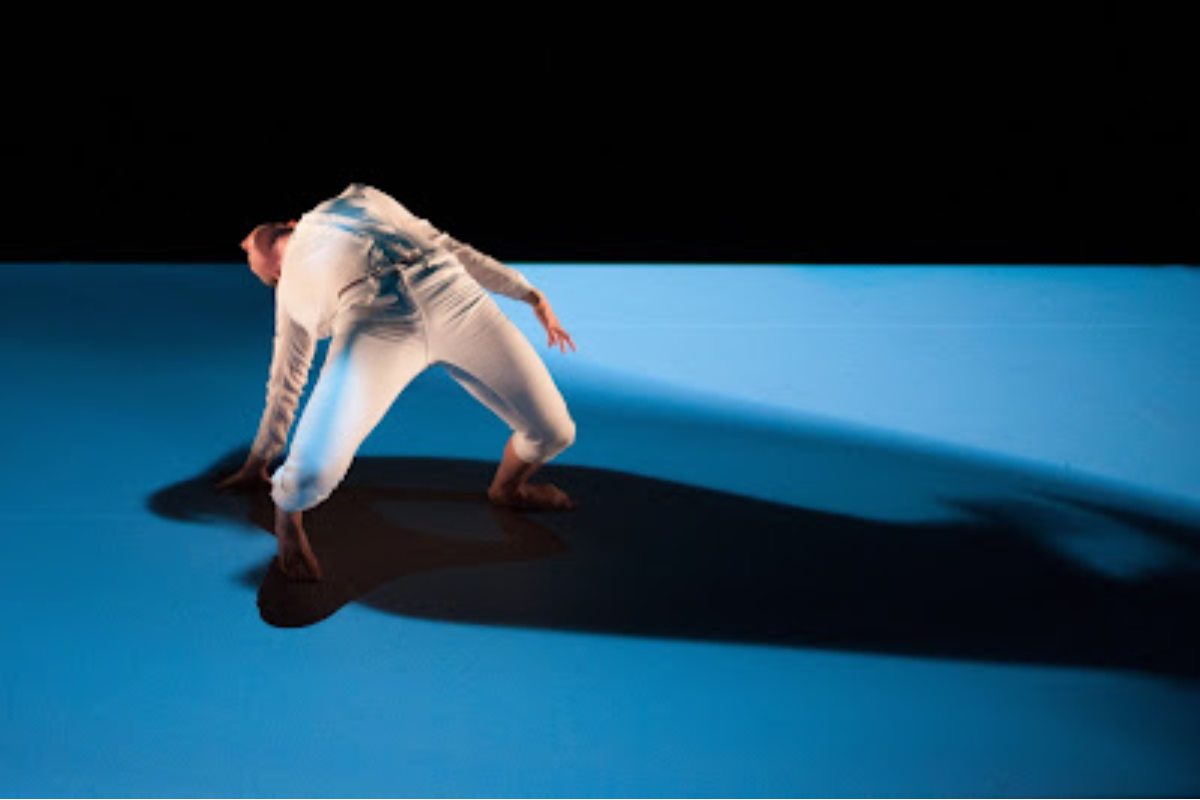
x: 843, y: 531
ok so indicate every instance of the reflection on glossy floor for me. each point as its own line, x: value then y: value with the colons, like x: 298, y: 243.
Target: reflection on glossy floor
x: 841, y: 531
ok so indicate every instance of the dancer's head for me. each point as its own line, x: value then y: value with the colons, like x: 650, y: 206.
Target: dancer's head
x: 264, y: 248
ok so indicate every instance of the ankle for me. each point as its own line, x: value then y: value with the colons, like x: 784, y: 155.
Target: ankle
x: 502, y: 492
x: 288, y: 524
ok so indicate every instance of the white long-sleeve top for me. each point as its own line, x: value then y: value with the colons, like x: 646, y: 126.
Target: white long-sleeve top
x: 306, y: 308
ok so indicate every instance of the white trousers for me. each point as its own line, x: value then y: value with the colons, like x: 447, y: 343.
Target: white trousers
x: 389, y: 329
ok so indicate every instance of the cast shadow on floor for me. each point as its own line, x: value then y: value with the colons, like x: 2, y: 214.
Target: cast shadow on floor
x: 646, y: 557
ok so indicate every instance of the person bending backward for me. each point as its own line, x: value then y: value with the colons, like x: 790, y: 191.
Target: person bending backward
x: 397, y: 295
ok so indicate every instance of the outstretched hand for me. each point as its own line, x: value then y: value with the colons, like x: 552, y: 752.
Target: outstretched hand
x: 556, y: 335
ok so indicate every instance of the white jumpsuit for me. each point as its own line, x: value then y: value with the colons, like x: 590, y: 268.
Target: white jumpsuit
x: 397, y: 296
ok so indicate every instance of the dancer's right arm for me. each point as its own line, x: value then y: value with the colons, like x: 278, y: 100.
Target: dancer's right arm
x: 290, y: 363
x: 293, y: 355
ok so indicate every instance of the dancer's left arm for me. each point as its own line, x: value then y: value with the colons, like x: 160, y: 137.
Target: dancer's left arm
x: 504, y: 280
x: 490, y: 273
x: 557, y: 336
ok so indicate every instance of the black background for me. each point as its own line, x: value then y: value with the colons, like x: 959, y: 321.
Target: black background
x: 961, y: 135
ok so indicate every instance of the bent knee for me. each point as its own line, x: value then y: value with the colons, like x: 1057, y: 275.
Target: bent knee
x: 299, y: 488
x: 562, y: 437
x: 540, y: 446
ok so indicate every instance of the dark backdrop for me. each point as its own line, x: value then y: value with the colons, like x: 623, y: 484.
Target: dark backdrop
x: 977, y: 135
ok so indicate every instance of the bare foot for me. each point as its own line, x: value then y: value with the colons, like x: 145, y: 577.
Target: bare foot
x: 534, y: 497
x: 296, y: 559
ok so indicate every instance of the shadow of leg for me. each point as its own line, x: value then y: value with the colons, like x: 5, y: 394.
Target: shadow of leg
x: 648, y: 557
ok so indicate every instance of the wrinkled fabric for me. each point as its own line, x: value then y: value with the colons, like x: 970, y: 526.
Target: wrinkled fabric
x: 397, y: 296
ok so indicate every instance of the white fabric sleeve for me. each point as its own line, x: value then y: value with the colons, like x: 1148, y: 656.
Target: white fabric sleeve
x: 290, y: 363
x: 490, y: 273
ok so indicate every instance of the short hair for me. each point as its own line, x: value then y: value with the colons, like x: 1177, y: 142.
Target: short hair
x: 265, y: 235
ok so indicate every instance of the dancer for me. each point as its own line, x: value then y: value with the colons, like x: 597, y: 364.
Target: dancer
x: 397, y: 296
